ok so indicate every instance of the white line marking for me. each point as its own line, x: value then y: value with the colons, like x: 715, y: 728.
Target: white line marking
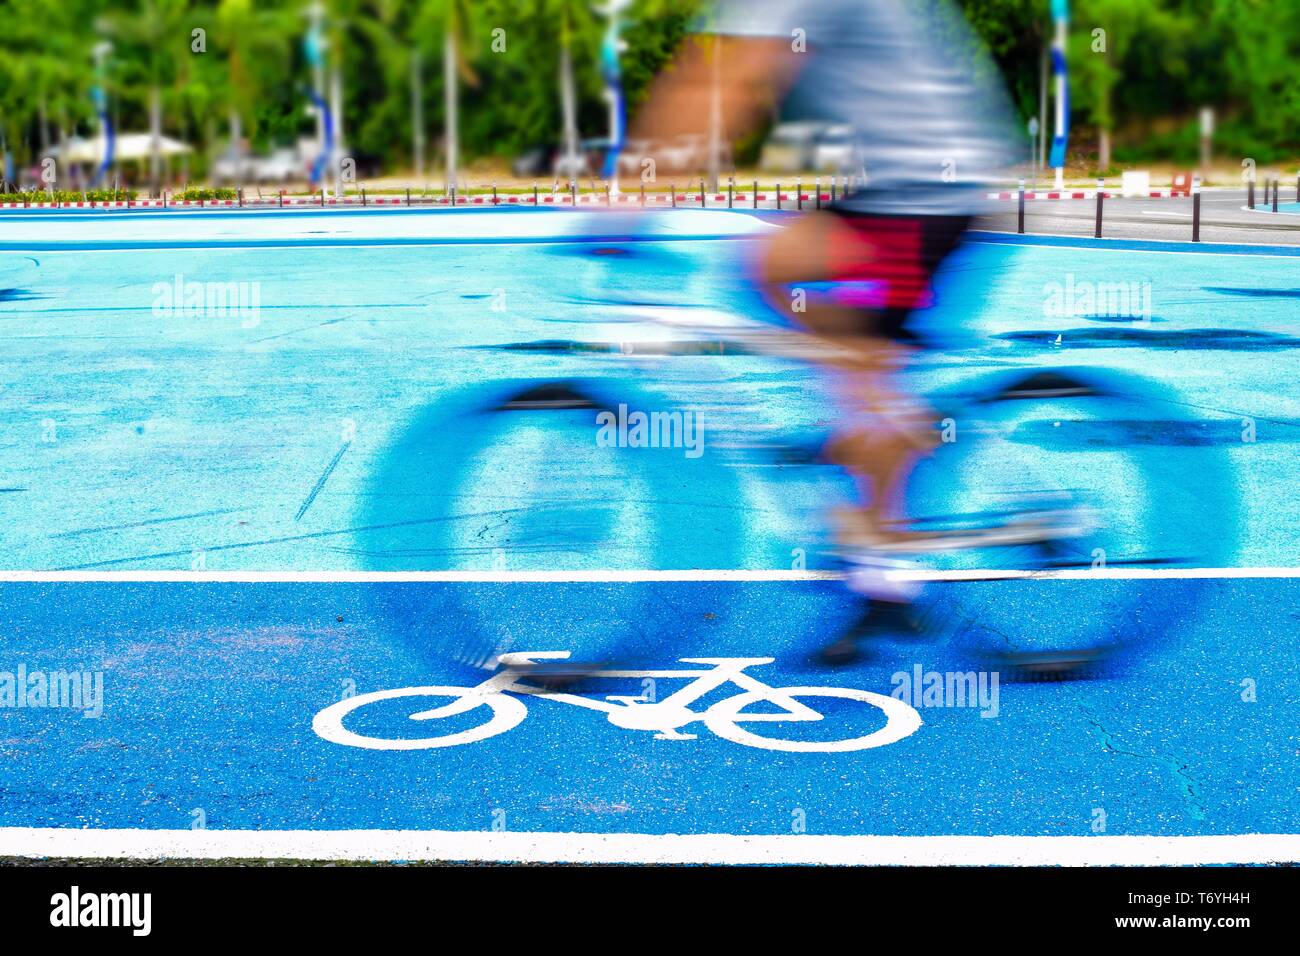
x: 620, y: 577
x: 1209, y: 246
x: 649, y: 848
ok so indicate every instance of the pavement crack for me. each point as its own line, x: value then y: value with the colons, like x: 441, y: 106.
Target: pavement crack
x: 320, y: 482
x: 1179, y: 768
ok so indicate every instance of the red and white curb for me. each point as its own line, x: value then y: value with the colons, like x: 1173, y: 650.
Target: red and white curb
x: 513, y: 199
x: 1092, y: 194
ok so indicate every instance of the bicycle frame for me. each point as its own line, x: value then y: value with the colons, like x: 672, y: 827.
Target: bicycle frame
x: 636, y: 713
x: 724, y: 718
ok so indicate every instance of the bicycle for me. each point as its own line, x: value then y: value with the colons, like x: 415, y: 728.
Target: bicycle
x: 665, y: 718
x: 1103, y: 449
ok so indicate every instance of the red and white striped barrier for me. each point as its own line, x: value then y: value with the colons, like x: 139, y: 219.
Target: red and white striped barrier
x: 1090, y: 194
x: 738, y: 199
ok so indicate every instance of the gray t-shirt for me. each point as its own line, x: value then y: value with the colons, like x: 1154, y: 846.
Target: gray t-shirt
x: 930, y: 115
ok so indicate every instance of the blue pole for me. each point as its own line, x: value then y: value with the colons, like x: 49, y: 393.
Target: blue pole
x: 612, y: 72
x: 313, y: 46
x: 1061, y: 130
x: 318, y: 167
x: 105, y: 121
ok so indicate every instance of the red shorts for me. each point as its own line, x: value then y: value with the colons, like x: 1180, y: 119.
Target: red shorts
x: 894, y: 259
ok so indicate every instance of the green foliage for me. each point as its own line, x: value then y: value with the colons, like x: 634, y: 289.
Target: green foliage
x: 1164, y: 60
x: 195, y: 194
x: 68, y: 195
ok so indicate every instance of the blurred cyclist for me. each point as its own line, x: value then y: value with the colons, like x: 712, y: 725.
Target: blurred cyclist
x: 931, y: 124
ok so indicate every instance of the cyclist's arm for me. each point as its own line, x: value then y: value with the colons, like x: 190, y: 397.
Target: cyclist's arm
x: 755, y: 72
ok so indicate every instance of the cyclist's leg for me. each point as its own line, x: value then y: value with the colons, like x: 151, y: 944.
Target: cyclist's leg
x: 883, y: 429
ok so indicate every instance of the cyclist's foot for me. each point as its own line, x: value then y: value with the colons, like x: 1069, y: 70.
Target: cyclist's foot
x: 880, y: 619
x: 844, y: 651
x: 1051, y: 665
x: 861, y: 537
x: 554, y: 675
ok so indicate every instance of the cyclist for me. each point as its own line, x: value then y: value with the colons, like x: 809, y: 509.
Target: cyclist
x: 931, y: 127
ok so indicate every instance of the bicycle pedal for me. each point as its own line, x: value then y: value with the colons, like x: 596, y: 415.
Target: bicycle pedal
x: 1061, y: 665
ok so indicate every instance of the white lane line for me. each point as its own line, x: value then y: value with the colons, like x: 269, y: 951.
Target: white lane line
x: 622, y: 577
x: 1209, y: 246
x: 648, y: 848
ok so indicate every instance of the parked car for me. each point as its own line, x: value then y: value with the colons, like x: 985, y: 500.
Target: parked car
x: 534, y: 162
x: 232, y: 167
x: 835, y: 149
x: 543, y: 160
x: 790, y: 147
x: 282, y: 166
x: 682, y: 154
x: 688, y: 153
x: 634, y: 151
x: 589, y: 161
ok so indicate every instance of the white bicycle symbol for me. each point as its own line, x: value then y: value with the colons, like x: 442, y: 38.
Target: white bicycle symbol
x: 666, y: 717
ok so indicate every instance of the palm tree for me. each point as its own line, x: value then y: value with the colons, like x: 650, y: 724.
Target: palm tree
x: 44, y: 72
x: 246, y: 37
x: 455, y: 20
x: 568, y: 98
x: 576, y: 22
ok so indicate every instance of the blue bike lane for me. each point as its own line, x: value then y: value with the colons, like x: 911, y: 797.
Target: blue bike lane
x: 209, y: 693
x: 210, y: 689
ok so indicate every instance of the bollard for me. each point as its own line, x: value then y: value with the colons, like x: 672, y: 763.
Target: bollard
x: 835, y: 180
x: 1020, y: 217
x: 322, y: 196
x: 281, y: 198
x: 731, y: 190
x: 778, y: 196
x: 1196, y: 209
x: 238, y: 192
x: 573, y: 193
x: 494, y: 194
x: 1277, y: 184
x: 756, y: 192
x: 1101, y: 195
x: 1250, y: 193
x: 408, y: 195
x: 798, y: 193
x: 818, y: 186
x: 534, y: 192
x: 702, y: 203
x: 673, y: 195
x: 363, y: 195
